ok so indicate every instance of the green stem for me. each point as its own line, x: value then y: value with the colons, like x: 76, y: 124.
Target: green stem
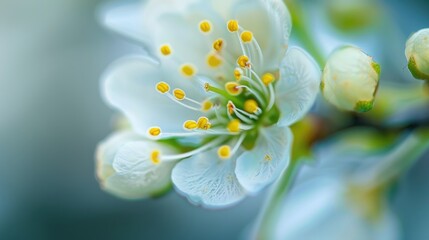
x: 224, y: 94
x: 271, y: 210
x: 301, y: 31
x: 405, y: 156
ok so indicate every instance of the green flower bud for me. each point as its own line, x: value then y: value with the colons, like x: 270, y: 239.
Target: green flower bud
x: 350, y: 79
x: 417, y: 53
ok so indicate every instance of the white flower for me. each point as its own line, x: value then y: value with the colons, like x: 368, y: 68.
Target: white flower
x: 417, y: 53
x: 128, y: 168
x: 341, y: 195
x: 350, y: 79
x: 219, y: 74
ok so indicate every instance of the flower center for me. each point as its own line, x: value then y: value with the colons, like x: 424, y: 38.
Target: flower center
x: 232, y: 108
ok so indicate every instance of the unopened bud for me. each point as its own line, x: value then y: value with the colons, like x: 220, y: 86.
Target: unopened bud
x: 130, y: 166
x: 417, y: 53
x: 350, y: 79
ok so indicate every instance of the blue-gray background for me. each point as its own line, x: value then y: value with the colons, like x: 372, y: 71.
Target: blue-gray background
x: 52, y: 54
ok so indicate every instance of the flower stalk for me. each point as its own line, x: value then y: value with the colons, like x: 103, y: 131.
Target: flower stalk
x: 302, y: 32
x: 274, y: 200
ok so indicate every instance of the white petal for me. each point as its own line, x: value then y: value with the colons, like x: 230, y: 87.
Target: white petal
x: 259, y: 167
x: 130, y: 86
x: 298, y: 85
x: 135, y: 174
x: 138, y: 20
x: 153, y: 24
x: 125, y: 20
x: 188, y: 44
x: 270, y: 22
x: 181, y: 31
x: 106, y: 151
x: 124, y: 169
x: 208, y: 181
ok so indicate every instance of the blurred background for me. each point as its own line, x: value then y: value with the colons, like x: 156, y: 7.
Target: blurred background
x: 52, y: 54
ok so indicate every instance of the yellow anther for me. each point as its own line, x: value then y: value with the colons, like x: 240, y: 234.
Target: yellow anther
x: 250, y: 106
x: 188, y: 70
x: 268, y: 78
x: 246, y: 36
x: 205, y: 26
x: 202, y: 122
x: 162, y: 87
x: 190, y: 125
x: 243, y: 61
x: 218, y: 44
x: 154, y: 131
x: 165, y: 50
x: 224, y: 152
x: 238, y: 73
x: 179, y: 94
x: 206, y: 105
x: 214, y: 60
x: 268, y: 157
x: 206, y: 87
x: 233, y: 88
x: 207, y: 126
x: 155, y: 156
x: 230, y: 106
x: 232, y: 25
x: 234, y: 126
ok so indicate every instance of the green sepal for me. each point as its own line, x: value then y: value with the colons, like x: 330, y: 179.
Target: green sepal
x: 377, y: 68
x: 250, y: 139
x: 364, y: 106
x: 177, y: 145
x: 322, y: 85
x: 272, y: 117
x: 162, y: 192
x: 412, y: 66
